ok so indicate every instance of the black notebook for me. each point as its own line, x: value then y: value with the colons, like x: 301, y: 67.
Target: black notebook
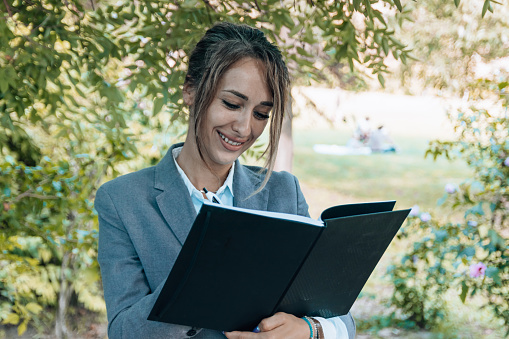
x: 238, y: 266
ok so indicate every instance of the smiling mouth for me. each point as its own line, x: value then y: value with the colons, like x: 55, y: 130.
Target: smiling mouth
x: 231, y: 142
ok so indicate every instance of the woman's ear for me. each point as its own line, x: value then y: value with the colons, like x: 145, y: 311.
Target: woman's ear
x: 188, y: 94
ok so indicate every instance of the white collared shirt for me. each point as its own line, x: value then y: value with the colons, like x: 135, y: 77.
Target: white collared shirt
x: 225, y: 192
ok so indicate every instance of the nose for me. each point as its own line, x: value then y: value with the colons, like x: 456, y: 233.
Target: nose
x: 242, y: 123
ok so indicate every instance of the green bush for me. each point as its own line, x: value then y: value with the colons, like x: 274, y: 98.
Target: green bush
x: 468, y: 253
x: 48, y: 240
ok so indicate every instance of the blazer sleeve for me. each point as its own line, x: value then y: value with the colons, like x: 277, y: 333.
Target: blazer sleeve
x: 127, y: 294
x: 347, y: 319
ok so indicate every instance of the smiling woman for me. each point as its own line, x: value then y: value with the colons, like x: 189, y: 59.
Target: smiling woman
x: 236, y: 84
x: 235, y: 118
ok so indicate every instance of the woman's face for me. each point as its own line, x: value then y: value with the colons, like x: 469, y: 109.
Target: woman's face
x: 237, y: 114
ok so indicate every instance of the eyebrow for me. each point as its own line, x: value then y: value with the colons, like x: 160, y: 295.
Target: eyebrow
x: 244, y: 97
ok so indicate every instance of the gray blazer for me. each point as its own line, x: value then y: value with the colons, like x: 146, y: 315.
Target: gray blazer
x: 144, y: 218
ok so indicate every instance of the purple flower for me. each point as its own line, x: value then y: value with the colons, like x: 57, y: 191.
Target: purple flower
x: 425, y: 217
x: 415, y: 211
x: 506, y: 161
x: 450, y: 188
x: 472, y: 223
x: 477, y: 270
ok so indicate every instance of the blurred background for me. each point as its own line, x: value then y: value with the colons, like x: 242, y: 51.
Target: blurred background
x: 391, y: 100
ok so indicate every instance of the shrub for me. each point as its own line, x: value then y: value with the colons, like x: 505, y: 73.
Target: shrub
x: 469, y: 253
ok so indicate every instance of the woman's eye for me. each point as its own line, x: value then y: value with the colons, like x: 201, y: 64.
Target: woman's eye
x: 230, y: 105
x: 261, y: 116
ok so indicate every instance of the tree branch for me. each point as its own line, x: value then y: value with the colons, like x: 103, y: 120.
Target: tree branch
x: 29, y: 194
x: 207, y: 3
x: 8, y: 8
x: 258, y: 6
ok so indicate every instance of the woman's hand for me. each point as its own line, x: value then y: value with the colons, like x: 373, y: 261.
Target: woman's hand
x: 279, y: 326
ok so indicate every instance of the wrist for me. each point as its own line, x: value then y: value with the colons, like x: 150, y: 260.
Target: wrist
x: 319, y: 330
x: 312, y: 327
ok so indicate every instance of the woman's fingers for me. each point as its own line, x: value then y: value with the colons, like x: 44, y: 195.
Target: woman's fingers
x: 270, y: 323
x: 280, y: 325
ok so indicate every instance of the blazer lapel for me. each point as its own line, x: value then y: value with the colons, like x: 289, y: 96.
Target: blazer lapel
x: 176, y: 205
x: 174, y: 201
x: 245, y: 182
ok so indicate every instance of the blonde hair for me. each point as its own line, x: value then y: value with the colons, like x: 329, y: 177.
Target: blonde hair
x: 222, y: 46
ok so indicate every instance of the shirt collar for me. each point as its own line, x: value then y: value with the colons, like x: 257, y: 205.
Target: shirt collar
x: 228, y: 183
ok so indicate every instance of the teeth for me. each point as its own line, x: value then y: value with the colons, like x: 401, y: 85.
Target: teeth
x: 233, y: 143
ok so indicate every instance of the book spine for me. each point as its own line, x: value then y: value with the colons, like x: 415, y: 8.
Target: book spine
x: 183, y: 282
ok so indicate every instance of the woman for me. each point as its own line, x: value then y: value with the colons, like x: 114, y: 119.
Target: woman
x: 236, y: 82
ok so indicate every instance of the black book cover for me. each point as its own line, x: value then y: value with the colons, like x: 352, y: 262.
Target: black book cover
x: 239, y: 266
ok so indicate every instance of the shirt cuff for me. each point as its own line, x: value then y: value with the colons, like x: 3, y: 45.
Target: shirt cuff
x: 333, y: 328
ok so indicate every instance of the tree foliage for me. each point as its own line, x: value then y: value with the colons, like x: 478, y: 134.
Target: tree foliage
x: 452, y: 41
x: 91, y: 90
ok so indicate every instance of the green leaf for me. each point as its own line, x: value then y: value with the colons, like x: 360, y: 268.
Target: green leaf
x: 440, y: 236
x: 34, y: 307
x: 385, y: 46
x: 22, y: 327
x: 468, y: 252
x: 442, y: 200
x: 158, y: 105
x: 495, y: 239
x: 296, y: 29
x: 503, y: 85
x: 381, y: 79
x: 4, y: 85
x: 303, y: 52
x: 398, y: 4
x: 396, y: 42
x: 357, y: 5
x: 464, y: 292
x: 485, y: 7
x: 457, y: 3
x: 91, y: 275
x: 12, y: 319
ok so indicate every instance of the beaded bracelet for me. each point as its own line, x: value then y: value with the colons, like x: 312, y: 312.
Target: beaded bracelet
x: 318, y: 328
x: 312, y: 328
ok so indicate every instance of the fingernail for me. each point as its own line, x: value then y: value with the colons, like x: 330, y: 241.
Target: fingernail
x: 257, y: 329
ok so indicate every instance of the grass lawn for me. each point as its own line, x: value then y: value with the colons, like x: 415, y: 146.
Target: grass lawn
x: 406, y: 176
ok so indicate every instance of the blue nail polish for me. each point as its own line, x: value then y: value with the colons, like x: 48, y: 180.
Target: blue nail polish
x: 256, y: 330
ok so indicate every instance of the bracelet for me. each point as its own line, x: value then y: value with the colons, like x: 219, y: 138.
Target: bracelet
x: 319, y: 329
x: 311, y: 325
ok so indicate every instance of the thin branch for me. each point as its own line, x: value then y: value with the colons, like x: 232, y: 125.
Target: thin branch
x: 37, y: 196
x: 92, y: 3
x: 32, y: 195
x: 8, y: 8
x: 206, y: 2
x: 257, y: 5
